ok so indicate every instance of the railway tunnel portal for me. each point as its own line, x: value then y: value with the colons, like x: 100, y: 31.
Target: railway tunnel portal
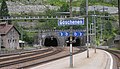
x: 52, y: 38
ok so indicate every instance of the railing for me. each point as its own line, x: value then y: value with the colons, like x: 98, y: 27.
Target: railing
x: 45, y: 17
x: 33, y: 17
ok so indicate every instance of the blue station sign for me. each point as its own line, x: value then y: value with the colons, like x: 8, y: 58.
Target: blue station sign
x: 64, y: 33
x: 77, y: 34
x: 71, y: 22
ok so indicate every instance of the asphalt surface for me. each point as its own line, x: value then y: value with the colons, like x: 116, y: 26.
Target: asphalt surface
x: 99, y: 60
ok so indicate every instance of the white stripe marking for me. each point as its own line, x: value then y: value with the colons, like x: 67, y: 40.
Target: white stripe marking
x: 111, y: 64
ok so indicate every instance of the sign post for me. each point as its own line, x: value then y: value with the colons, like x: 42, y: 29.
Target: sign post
x: 71, y: 56
x: 87, y: 28
x: 63, y: 22
x: 71, y: 50
x: 71, y: 22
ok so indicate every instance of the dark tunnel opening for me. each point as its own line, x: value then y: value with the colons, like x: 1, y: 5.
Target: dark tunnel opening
x: 77, y: 41
x: 51, y: 41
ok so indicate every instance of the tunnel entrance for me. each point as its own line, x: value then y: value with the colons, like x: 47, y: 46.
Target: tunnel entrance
x: 51, y: 41
x: 77, y: 41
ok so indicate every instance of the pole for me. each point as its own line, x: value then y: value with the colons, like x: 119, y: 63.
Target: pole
x: 22, y: 38
x: 90, y: 33
x: 41, y: 39
x: 70, y: 8
x: 0, y: 42
x: 87, y: 27
x: 119, y: 13
x: 71, y: 55
x: 91, y: 28
x: 101, y: 32
x: 91, y: 40
x: 95, y: 29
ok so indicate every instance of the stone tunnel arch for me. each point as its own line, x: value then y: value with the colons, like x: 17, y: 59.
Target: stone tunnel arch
x: 51, y: 41
x: 77, y: 41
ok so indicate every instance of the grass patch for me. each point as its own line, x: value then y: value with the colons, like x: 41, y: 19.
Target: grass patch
x: 31, y: 34
x: 114, y: 49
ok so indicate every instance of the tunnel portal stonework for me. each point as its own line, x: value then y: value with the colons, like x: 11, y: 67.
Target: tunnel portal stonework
x: 61, y: 40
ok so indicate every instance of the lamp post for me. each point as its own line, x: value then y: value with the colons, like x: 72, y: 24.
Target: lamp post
x: 87, y: 27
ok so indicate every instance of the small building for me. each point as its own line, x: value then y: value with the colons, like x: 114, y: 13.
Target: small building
x: 21, y: 44
x: 9, y: 36
x: 117, y: 41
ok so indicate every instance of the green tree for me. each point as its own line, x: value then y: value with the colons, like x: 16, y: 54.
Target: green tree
x: 27, y: 38
x: 64, y: 8
x: 49, y: 12
x: 4, y: 12
x: 83, y: 8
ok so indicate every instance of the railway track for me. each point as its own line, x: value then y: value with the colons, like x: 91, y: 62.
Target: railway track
x: 59, y: 57
x: 23, y: 54
x: 37, y: 59
x: 6, y: 62
x: 116, y: 55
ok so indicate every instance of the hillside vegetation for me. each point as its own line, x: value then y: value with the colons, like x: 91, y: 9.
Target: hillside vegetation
x: 108, y: 31
x: 75, y: 2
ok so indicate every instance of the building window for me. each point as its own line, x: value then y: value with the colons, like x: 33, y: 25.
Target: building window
x: 13, y: 40
x: 2, y: 42
x: 9, y: 40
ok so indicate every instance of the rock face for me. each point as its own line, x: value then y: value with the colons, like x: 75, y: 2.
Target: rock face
x: 18, y: 7
x: 100, y: 8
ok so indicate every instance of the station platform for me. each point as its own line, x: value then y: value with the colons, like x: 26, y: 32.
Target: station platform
x: 99, y: 60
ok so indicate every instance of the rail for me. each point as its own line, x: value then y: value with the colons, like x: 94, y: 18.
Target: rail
x: 116, y: 54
